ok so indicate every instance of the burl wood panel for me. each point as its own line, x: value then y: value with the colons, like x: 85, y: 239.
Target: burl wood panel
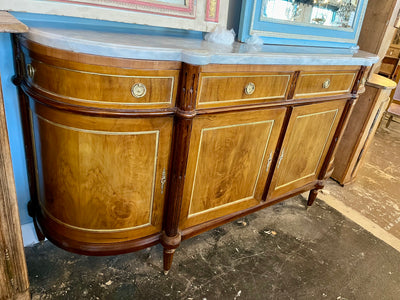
x: 311, y: 84
x: 307, y: 140
x: 229, y: 160
x: 224, y: 89
x: 102, y: 175
x: 110, y: 87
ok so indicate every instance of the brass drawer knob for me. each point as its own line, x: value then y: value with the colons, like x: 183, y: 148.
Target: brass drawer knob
x: 30, y: 70
x: 326, y: 84
x: 250, y: 88
x: 138, y: 90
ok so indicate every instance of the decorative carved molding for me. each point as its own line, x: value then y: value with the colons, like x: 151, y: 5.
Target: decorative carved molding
x: 154, y: 7
x: 212, y: 10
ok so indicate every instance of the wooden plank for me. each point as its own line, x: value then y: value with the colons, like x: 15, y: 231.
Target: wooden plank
x: 14, y: 282
x: 8, y: 23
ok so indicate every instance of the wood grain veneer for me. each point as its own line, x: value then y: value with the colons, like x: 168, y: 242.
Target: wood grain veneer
x: 111, y: 89
x: 106, y: 86
x: 116, y: 174
x: 307, y: 140
x: 227, y: 89
x: 311, y: 84
x: 82, y: 187
x: 236, y: 151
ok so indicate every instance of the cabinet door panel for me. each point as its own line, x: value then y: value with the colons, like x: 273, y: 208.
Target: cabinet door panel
x: 306, y: 143
x: 100, y: 177
x: 229, y: 159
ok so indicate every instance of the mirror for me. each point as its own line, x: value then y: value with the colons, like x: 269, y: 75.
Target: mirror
x: 332, y: 13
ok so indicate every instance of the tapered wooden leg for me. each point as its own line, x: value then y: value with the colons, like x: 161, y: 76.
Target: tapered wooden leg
x: 312, y: 196
x: 168, y: 257
x: 170, y: 243
x: 389, y: 120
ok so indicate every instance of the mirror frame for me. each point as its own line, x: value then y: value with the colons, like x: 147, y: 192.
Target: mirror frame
x: 197, y: 15
x: 285, y: 33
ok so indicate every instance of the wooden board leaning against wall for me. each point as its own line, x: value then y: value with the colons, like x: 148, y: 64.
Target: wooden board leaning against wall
x: 14, y: 282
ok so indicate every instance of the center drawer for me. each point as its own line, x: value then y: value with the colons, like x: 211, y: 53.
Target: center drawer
x: 217, y: 90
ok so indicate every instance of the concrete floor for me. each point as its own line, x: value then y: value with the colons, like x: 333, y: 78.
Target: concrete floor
x: 282, y: 252
x: 373, y: 200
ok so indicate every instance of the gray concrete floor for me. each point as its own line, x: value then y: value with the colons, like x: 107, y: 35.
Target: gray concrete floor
x: 375, y: 195
x: 282, y: 252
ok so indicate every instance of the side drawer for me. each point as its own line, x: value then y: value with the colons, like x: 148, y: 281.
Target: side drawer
x: 104, y: 86
x: 393, y: 52
x: 217, y: 90
x: 314, y: 84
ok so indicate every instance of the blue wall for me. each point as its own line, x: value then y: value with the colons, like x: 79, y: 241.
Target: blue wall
x: 14, y: 126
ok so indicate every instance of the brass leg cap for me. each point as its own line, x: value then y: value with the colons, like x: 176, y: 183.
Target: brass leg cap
x: 166, y: 272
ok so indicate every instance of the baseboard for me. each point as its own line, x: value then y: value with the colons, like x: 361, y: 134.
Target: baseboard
x: 29, y: 234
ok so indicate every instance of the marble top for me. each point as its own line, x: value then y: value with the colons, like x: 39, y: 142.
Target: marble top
x: 145, y: 44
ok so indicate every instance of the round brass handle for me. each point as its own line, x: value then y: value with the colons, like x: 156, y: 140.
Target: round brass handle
x: 138, y: 90
x: 250, y: 88
x: 30, y: 70
x: 326, y: 84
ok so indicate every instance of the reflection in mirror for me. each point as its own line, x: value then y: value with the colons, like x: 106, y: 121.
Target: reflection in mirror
x: 334, y: 13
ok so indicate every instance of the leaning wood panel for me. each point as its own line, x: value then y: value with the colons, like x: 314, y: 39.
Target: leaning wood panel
x: 13, y: 278
x: 353, y: 135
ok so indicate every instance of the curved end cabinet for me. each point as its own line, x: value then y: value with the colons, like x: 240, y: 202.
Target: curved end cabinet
x: 101, y: 137
x: 129, y: 153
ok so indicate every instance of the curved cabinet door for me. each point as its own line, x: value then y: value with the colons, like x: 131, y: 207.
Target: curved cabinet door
x: 100, y: 179
x: 229, y: 160
x: 307, y: 140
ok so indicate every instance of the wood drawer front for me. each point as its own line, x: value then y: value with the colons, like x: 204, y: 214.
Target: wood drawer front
x: 393, y: 52
x: 218, y: 89
x: 313, y: 84
x: 134, y: 89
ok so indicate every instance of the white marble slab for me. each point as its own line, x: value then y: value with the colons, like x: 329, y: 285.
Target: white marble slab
x: 125, y: 43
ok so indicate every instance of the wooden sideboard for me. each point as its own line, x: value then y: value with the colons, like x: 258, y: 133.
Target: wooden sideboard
x: 129, y: 153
